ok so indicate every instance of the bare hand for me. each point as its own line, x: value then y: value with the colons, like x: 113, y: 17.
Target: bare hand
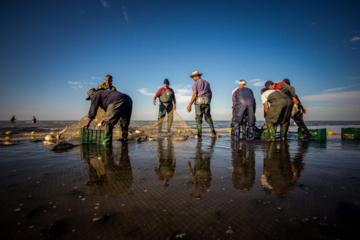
x: 174, y: 107
x: 189, y: 108
x: 154, y: 102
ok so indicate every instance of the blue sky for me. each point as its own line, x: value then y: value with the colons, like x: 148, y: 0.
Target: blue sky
x: 52, y: 52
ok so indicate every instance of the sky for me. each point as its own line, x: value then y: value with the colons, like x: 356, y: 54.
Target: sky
x: 53, y: 51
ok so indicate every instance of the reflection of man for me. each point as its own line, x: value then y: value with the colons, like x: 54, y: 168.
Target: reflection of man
x: 202, y: 97
x: 167, y: 162
x: 280, y: 174
x: 201, y: 173
x: 106, y: 177
x: 244, y: 103
x: 243, y: 172
x: 166, y: 97
x: 117, y: 106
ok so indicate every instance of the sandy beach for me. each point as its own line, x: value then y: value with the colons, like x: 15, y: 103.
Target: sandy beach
x: 193, y: 189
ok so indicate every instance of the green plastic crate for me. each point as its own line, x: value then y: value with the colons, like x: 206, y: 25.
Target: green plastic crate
x: 89, y: 136
x: 262, y: 134
x: 350, y: 133
x: 316, y: 134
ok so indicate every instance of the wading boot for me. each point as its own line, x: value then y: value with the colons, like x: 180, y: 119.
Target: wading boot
x: 213, y: 134
x: 283, y: 135
x: 107, y: 138
x: 124, y: 136
x: 237, y: 135
x: 250, y: 136
x: 272, y: 135
x: 198, y: 132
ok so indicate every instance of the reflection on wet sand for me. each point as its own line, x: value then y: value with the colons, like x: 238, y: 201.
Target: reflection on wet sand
x: 201, y: 173
x: 107, y: 177
x: 167, y: 161
x: 280, y: 173
x: 243, y: 166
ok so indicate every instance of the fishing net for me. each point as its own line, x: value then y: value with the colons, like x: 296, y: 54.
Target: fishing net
x: 171, y: 124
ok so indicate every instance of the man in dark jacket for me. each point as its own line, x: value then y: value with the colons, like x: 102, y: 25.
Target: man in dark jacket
x: 117, y: 106
x: 244, y: 103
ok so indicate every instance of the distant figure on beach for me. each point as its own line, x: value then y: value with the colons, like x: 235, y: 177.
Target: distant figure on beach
x: 107, y: 85
x: 202, y: 97
x: 34, y: 119
x: 244, y: 104
x: 117, y: 106
x: 13, y: 119
x: 166, y: 97
x: 278, y: 112
x: 298, y: 108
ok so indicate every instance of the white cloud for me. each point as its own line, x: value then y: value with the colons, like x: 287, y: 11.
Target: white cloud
x: 145, y: 92
x: 105, y: 3
x: 75, y: 85
x: 340, y: 88
x: 355, y: 39
x: 348, y: 98
x: 126, y: 16
x: 257, y: 82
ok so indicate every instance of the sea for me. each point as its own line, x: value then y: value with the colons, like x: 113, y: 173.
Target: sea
x: 206, y: 188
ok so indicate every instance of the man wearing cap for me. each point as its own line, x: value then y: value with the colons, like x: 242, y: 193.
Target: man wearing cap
x: 202, y: 97
x: 117, y: 106
x: 244, y: 103
x: 298, y: 109
x: 166, y: 97
x: 279, y: 110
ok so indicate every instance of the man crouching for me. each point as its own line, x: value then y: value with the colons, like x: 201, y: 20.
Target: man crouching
x: 117, y: 106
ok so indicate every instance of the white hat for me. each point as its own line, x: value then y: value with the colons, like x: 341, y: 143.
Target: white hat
x: 242, y: 82
x: 196, y: 73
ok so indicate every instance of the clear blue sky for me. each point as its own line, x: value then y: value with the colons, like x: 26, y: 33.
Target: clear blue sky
x: 52, y: 52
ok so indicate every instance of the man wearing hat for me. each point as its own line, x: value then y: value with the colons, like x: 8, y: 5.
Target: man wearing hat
x: 166, y: 97
x: 202, y: 97
x: 279, y: 110
x: 117, y: 106
x: 244, y: 103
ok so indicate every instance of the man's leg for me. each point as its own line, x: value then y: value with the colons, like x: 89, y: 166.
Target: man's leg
x: 198, y: 118
x: 286, y: 114
x: 251, y: 121
x: 125, y: 119
x: 298, y: 119
x: 208, y: 119
x: 170, y: 114
x: 239, y: 117
x: 162, y: 113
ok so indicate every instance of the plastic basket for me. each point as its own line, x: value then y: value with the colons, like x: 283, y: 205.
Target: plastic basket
x: 261, y: 134
x: 316, y: 134
x: 350, y: 133
x: 89, y: 136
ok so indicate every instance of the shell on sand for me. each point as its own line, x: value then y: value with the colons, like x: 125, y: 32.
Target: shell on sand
x: 50, y: 138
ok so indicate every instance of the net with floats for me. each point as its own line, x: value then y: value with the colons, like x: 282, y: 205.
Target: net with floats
x: 171, y: 124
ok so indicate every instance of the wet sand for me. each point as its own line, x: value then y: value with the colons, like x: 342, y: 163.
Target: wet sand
x: 193, y: 189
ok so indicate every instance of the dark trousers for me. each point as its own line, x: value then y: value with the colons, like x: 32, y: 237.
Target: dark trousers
x: 118, y: 111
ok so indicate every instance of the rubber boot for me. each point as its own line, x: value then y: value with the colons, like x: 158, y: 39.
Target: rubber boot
x: 124, y: 136
x: 107, y: 138
x: 250, y: 136
x: 272, y: 135
x: 237, y: 135
x: 199, y: 132
x: 283, y: 135
x: 243, y: 131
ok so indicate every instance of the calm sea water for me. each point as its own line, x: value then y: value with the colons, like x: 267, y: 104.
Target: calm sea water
x: 194, y: 189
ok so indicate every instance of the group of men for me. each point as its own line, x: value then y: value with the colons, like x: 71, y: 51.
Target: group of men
x: 280, y: 104
x: 282, y: 97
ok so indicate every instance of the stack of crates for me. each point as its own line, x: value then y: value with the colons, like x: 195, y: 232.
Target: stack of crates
x: 316, y: 134
x: 89, y: 136
x: 262, y: 134
x: 350, y: 133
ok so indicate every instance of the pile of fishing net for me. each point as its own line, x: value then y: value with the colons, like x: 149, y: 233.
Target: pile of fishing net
x: 171, y: 124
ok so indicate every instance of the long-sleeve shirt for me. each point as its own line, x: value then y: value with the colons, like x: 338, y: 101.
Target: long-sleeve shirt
x: 103, y: 98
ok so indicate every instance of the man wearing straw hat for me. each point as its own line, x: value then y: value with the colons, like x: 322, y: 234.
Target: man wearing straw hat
x: 202, y: 97
x: 117, y: 106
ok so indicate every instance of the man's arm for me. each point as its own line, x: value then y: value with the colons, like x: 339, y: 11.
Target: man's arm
x: 174, y: 100
x: 191, y: 101
x: 154, y: 100
x: 210, y: 94
x: 266, y: 108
